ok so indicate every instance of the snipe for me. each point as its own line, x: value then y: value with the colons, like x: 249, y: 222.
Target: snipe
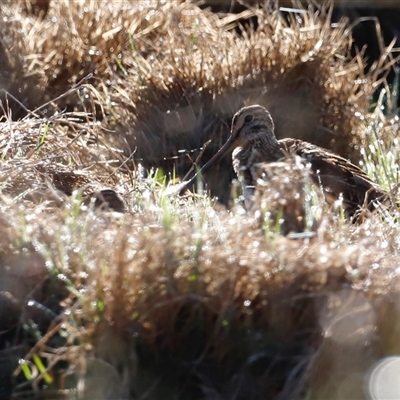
x: 253, y: 141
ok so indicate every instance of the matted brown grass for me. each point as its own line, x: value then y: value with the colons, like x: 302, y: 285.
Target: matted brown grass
x: 170, y: 74
x: 229, y: 307
x: 178, y: 297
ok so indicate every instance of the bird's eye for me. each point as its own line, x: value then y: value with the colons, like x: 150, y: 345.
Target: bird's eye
x: 248, y: 118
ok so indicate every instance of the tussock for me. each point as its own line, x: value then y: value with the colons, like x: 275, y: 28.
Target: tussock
x: 110, y: 289
x: 301, y: 70
x: 287, y: 199
x: 214, y: 292
x: 171, y: 74
x: 41, y: 157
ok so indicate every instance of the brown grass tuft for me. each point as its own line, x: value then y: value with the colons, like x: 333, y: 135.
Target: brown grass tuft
x: 171, y: 75
x: 179, y: 297
x: 287, y: 200
x: 46, y: 158
x: 300, y: 68
x: 219, y: 302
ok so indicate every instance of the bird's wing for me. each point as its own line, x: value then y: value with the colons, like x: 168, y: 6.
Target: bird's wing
x: 335, y: 174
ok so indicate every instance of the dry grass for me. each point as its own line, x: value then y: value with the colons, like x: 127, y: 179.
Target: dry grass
x: 179, y: 297
x: 171, y: 75
x: 299, y: 67
x: 203, y: 290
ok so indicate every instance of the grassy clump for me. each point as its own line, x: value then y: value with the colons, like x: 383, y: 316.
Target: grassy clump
x: 226, y: 305
x: 297, y: 65
x: 178, y: 297
x: 171, y: 75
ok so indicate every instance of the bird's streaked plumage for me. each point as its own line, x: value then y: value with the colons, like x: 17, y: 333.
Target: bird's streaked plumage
x: 253, y: 132
x: 253, y: 141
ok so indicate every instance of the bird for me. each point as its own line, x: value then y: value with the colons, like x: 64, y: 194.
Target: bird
x: 106, y: 200
x: 252, y: 141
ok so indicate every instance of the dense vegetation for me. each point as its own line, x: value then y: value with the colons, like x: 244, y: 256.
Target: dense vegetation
x: 111, y: 290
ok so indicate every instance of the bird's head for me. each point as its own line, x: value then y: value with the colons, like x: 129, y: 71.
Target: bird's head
x: 251, y: 124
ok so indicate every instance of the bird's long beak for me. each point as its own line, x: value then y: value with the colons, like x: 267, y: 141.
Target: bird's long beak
x: 221, y: 153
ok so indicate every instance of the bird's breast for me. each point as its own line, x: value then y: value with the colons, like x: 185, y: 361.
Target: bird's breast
x: 246, y: 158
x: 238, y: 160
